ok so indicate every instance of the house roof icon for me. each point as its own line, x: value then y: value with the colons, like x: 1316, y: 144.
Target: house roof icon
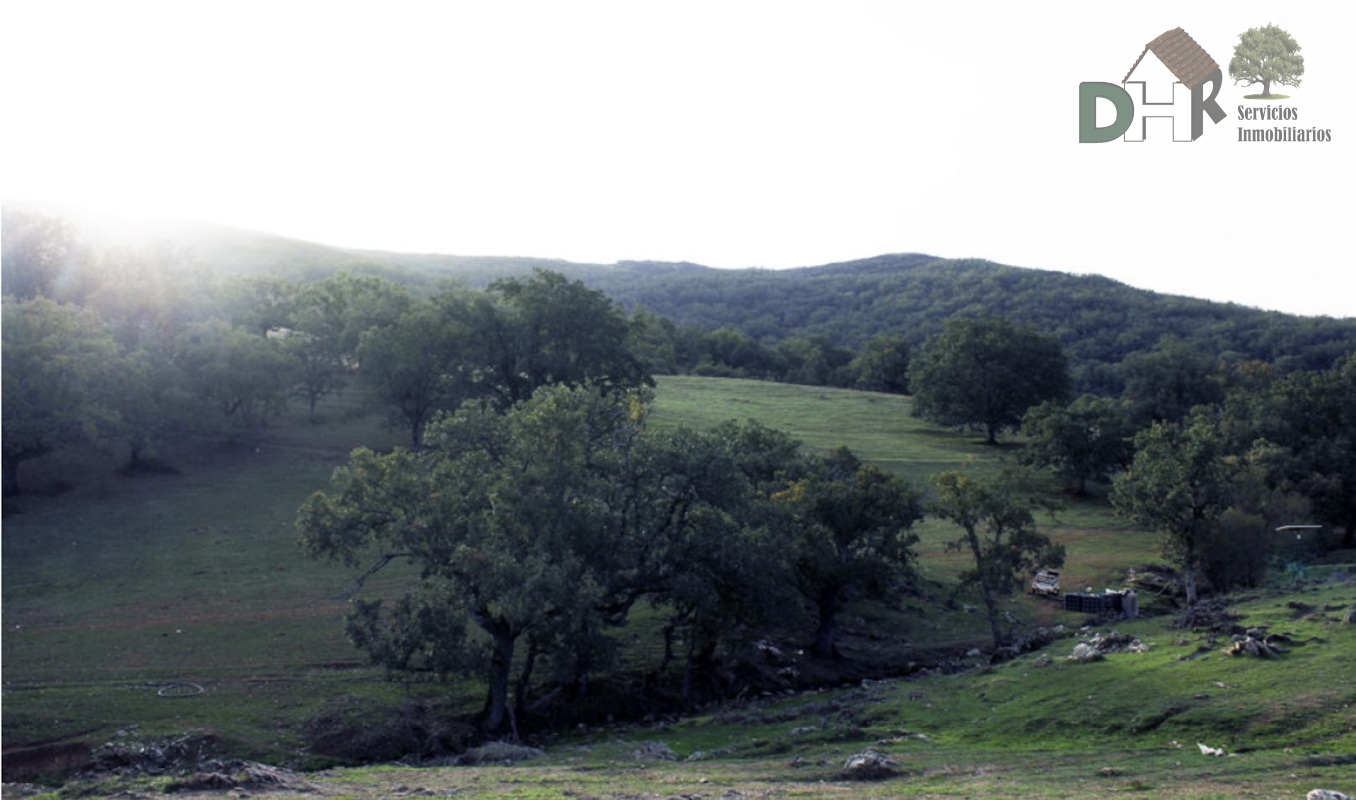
x: 1184, y: 58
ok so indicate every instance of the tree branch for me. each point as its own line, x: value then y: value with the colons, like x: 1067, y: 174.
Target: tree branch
x: 372, y: 570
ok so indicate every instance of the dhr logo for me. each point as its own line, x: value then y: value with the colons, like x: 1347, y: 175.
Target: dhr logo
x: 1179, y: 67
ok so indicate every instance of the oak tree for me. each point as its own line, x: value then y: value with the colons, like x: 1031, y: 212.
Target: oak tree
x: 1266, y: 55
x: 999, y: 533
x: 1180, y: 483
x: 986, y: 371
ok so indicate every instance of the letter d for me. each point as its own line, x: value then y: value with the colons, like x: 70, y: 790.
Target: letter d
x: 1088, y: 132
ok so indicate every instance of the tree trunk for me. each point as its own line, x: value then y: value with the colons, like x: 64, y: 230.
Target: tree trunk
x: 1189, y: 582
x: 991, y: 607
x: 11, y: 476
x: 826, y: 635
x: 1266, y: 88
x: 501, y: 662
x: 524, y: 683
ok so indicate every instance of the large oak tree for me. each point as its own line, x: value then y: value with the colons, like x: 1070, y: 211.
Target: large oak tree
x: 986, y: 371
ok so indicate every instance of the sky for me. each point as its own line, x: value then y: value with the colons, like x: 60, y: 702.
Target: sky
x: 730, y: 134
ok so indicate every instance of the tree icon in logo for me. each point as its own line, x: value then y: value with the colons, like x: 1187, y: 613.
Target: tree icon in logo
x: 1266, y: 55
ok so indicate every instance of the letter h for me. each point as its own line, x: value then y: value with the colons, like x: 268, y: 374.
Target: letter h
x: 1179, y: 111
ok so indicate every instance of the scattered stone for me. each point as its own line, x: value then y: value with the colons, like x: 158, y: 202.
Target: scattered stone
x: 505, y: 753
x: 973, y: 652
x: 654, y: 751
x: 1084, y: 652
x: 236, y: 775
x: 1207, y: 750
x: 706, y: 755
x: 1100, y: 645
x: 869, y: 765
x: 1255, y: 643
x: 1326, y: 794
x: 1109, y: 772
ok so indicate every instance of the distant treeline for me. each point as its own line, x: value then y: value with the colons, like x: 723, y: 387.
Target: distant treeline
x: 1098, y: 321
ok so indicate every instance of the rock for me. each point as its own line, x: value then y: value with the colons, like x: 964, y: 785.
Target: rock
x: 973, y: 652
x: 1084, y: 652
x: 1260, y: 646
x: 869, y: 765
x: 215, y: 776
x: 497, y: 753
x: 654, y: 751
x: 1207, y: 750
x: 1325, y: 794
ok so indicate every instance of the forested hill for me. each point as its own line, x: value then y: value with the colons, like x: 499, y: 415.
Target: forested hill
x: 1098, y: 320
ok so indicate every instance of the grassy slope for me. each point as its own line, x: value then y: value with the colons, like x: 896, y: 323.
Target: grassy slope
x: 198, y: 578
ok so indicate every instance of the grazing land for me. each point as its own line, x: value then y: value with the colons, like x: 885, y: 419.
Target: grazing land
x: 150, y: 609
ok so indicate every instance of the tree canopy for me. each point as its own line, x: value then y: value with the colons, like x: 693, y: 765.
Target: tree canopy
x: 56, y: 382
x: 854, y: 538
x: 1266, y: 55
x: 986, y: 371
x: 1089, y: 439
x: 541, y: 527
x: 999, y: 534
x: 1180, y: 483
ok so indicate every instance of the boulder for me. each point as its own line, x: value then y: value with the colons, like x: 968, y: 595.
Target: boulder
x: 654, y: 751
x: 498, y: 753
x: 869, y: 765
x: 1325, y: 794
x: 1084, y: 652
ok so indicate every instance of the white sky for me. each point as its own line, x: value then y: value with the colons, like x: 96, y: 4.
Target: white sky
x: 732, y: 134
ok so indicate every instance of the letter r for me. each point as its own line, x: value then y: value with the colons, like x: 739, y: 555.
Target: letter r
x: 1200, y: 103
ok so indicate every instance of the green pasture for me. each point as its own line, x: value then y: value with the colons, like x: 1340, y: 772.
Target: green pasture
x: 877, y: 427
x: 122, y: 589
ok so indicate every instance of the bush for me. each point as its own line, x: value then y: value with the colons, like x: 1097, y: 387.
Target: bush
x: 1237, y: 554
x: 360, y: 730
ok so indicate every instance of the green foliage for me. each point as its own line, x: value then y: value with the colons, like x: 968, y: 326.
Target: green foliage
x: 1308, y: 420
x: 999, y: 525
x: 1098, y: 321
x: 550, y: 330
x: 36, y: 250
x: 1089, y: 439
x: 1165, y: 383
x: 415, y: 363
x: 986, y: 371
x: 502, y: 346
x: 57, y: 374
x: 1266, y: 55
x: 1180, y: 483
x: 853, y: 540
x: 237, y: 378
x: 883, y: 365
x: 543, y: 526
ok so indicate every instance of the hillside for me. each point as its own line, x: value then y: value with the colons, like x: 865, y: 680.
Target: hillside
x: 1098, y: 320
x: 123, y: 592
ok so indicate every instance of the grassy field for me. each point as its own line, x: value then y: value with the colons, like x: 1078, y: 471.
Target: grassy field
x: 122, y: 588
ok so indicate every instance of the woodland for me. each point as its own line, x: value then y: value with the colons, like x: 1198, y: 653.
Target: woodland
x: 537, y: 512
